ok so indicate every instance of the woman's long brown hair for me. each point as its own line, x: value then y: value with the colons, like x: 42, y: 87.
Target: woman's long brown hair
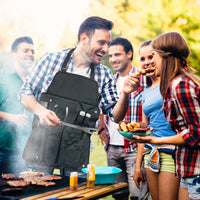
x: 174, y: 51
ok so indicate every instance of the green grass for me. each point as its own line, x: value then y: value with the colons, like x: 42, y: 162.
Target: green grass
x: 98, y: 154
x: 98, y: 157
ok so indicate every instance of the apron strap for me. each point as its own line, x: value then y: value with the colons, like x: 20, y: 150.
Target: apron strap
x: 64, y: 65
x: 92, y: 71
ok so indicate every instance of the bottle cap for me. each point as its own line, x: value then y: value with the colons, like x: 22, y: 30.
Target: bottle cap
x: 91, y: 167
x: 74, y: 174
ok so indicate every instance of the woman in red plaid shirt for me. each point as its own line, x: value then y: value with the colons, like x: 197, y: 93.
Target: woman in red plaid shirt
x: 181, y: 93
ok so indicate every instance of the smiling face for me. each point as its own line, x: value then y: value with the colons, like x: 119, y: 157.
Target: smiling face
x: 146, y: 58
x: 24, y: 55
x: 118, y: 58
x: 96, y: 46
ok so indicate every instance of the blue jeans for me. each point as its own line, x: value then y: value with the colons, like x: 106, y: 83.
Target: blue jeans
x: 4, y: 160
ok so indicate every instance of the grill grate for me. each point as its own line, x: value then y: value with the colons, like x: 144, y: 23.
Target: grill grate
x: 34, y: 189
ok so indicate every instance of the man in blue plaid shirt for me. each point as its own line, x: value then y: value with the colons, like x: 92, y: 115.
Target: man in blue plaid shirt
x: 93, y: 39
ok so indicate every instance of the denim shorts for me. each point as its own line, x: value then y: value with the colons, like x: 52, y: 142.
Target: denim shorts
x: 192, y: 185
x: 166, y: 162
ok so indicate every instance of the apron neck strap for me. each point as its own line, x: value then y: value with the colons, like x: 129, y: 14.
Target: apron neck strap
x: 92, y: 71
x: 64, y: 65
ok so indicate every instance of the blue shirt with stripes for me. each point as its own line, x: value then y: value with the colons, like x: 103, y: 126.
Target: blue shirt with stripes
x: 43, y: 72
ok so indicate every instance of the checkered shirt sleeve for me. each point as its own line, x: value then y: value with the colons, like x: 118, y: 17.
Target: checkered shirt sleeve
x: 182, y: 110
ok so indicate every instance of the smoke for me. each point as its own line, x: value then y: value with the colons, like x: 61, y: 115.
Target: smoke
x: 5, y: 59
x: 11, y: 104
x: 17, y: 163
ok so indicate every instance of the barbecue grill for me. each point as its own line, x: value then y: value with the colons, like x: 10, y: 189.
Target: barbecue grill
x: 33, y: 189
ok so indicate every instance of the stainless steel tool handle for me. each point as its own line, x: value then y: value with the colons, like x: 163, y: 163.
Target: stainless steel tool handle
x: 82, y: 128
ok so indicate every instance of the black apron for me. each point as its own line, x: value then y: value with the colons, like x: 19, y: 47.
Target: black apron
x: 61, y: 146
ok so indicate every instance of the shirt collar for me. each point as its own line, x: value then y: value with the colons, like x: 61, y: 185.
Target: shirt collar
x: 71, y: 64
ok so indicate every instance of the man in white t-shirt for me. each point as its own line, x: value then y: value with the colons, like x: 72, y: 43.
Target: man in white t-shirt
x: 121, y: 153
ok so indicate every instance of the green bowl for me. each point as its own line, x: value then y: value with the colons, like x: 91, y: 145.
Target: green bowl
x: 129, y: 135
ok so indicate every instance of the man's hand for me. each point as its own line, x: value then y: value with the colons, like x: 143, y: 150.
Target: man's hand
x: 104, y: 137
x: 131, y: 84
x: 102, y: 134
x: 48, y: 117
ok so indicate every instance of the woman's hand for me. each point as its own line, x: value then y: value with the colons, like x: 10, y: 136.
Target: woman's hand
x: 144, y: 139
x: 138, y: 177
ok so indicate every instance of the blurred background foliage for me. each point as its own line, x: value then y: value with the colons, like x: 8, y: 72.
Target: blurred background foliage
x: 136, y: 20
x: 144, y: 20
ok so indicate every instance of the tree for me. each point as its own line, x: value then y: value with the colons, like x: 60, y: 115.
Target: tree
x: 142, y: 20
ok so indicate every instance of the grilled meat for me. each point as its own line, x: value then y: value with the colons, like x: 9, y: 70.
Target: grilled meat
x: 8, y: 176
x: 19, y: 183
x: 51, y: 177
x: 145, y: 71
x: 43, y: 183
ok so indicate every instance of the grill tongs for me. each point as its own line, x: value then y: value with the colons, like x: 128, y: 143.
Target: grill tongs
x: 92, y: 131
x: 82, y: 128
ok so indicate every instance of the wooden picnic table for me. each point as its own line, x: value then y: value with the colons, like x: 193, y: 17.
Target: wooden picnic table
x: 82, y: 193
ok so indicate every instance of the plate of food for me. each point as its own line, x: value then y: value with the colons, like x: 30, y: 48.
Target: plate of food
x: 128, y: 129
